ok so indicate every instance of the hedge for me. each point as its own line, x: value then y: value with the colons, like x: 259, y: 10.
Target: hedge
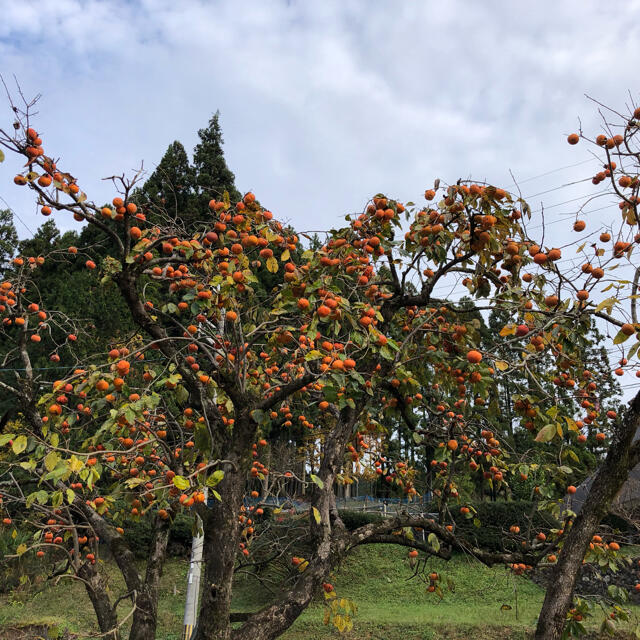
x: 495, y: 519
x: 139, y: 535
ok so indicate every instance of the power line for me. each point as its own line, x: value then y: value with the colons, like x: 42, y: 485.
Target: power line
x: 548, y: 173
x: 14, y: 213
x: 562, y: 186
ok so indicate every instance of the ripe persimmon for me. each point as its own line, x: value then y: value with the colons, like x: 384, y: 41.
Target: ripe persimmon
x: 474, y: 357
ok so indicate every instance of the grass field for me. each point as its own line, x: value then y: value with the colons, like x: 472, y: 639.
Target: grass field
x: 391, y: 605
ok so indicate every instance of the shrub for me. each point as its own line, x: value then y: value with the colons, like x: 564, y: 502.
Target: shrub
x: 496, y: 518
x: 139, y: 535
x: 354, y: 519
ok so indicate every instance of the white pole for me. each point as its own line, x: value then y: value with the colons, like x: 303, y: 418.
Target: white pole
x: 193, y: 580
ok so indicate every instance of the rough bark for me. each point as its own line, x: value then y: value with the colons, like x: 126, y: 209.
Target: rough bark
x: 145, y: 617
x: 96, y: 587
x: 221, y: 540
x: 144, y: 593
x: 330, y: 539
x: 607, y: 483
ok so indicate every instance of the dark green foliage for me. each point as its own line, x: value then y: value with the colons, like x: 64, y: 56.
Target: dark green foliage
x: 354, y: 519
x: 139, y: 535
x: 169, y: 190
x: 179, y: 191
x: 8, y: 236
x: 15, y: 572
x: 212, y: 175
x: 65, y: 284
x: 496, y: 518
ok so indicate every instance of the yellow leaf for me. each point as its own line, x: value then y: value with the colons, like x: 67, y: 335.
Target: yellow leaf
x: 607, y: 304
x: 285, y: 255
x: 501, y: 365
x: 272, y: 264
x: 75, y: 464
x: 21, y: 549
x: 51, y: 460
x: 316, y: 515
x: 508, y: 330
x: 19, y: 444
x: 571, y: 424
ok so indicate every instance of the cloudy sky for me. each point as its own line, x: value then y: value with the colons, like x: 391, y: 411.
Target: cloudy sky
x: 324, y: 103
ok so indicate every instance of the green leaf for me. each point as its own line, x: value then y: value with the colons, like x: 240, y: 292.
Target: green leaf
x: 5, y: 438
x: 202, y: 438
x: 216, y: 495
x: 19, y: 444
x: 317, y: 481
x: 182, y: 395
x: 180, y: 482
x: 417, y: 438
x: 40, y: 496
x: 386, y: 353
x: 258, y: 415
x: 546, y: 433
x: 71, y: 496
x: 316, y: 515
x: 51, y: 460
x: 215, y: 478
x: 620, y: 338
x: 432, y: 539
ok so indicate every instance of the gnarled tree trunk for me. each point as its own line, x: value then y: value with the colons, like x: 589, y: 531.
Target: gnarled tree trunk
x: 607, y: 483
x: 145, y: 617
x: 96, y: 587
x: 221, y: 540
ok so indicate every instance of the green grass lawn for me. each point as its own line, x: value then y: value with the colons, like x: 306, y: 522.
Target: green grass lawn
x: 391, y: 604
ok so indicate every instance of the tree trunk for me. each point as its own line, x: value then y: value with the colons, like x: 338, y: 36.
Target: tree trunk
x: 607, y: 483
x: 96, y: 587
x: 145, y: 618
x: 329, y: 537
x: 221, y: 540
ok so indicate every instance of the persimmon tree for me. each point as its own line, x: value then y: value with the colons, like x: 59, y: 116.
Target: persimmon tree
x: 608, y: 267
x: 367, y: 330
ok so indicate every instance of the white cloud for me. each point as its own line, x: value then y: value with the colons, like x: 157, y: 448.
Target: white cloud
x: 323, y: 104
